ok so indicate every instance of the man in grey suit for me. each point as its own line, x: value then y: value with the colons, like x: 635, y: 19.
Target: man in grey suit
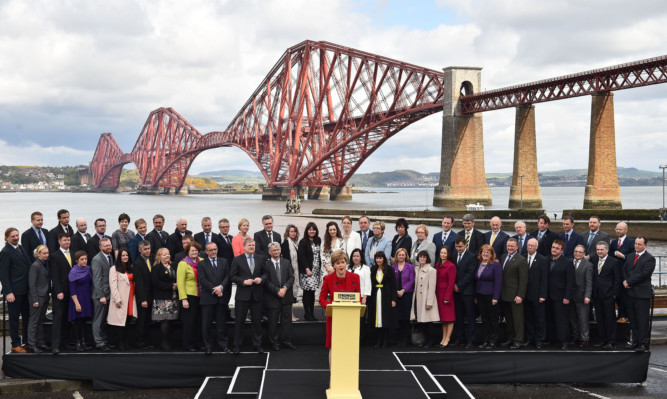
x: 637, y: 272
x: 213, y: 277
x: 583, y: 291
x: 515, y: 281
x: 594, y: 235
x: 39, y: 285
x: 100, y: 266
x: 278, y: 298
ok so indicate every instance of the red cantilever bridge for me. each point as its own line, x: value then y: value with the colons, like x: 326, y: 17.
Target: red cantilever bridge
x: 323, y: 109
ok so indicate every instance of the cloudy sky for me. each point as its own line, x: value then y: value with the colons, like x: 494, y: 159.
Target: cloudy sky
x: 70, y: 70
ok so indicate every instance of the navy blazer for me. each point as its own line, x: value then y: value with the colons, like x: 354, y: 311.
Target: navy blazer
x: 465, y: 272
x: 499, y: 244
x: 606, y: 283
x: 561, y: 279
x: 638, y: 276
x: 262, y: 242
x: 490, y: 282
x: 60, y: 268
x: 157, y: 240
x: 14, y: 270
x: 225, y: 250
x: 524, y: 247
x: 78, y: 243
x: 30, y: 241
x: 142, y: 280
x: 476, y: 240
x: 201, y: 239
x: 575, y: 239
x: 133, y: 246
x: 52, y: 240
x: 437, y: 240
x: 210, y: 277
x: 538, y: 278
x: 544, y: 244
x: 241, y: 272
x: 627, y: 247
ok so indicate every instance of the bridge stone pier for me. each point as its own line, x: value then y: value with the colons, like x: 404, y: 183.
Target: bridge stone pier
x: 525, y: 161
x: 602, y: 189
x: 462, y: 173
x: 281, y: 193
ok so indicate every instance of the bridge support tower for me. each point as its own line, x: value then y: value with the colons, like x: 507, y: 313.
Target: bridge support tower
x: 318, y: 193
x: 462, y: 173
x: 525, y: 161
x: 602, y: 189
x: 340, y: 193
x: 281, y: 193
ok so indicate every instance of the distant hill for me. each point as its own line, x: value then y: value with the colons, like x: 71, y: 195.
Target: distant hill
x: 231, y: 173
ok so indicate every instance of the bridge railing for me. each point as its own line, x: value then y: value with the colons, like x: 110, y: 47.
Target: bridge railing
x: 659, y: 272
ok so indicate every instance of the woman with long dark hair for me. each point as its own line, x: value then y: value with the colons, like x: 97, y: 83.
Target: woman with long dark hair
x: 289, y: 250
x: 333, y: 241
x: 309, y: 253
x: 382, y: 302
x: 123, y: 306
x: 357, y: 266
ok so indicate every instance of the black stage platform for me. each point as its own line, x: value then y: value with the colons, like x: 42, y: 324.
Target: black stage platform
x: 430, y: 372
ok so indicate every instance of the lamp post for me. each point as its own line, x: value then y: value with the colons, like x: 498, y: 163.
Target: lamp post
x: 521, y: 177
x: 662, y: 210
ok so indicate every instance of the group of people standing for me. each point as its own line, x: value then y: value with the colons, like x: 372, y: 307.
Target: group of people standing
x: 542, y: 283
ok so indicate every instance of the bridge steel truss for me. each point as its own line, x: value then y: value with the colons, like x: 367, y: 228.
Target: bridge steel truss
x: 317, y: 115
x: 625, y: 76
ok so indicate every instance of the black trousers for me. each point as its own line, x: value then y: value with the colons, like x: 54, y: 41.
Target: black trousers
x: 19, y: 308
x: 464, y: 326
x: 241, y: 308
x: 490, y: 315
x: 561, y: 321
x: 60, y: 328
x: 144, y: 322
x: 217, y: 312
x: 622, y: 301
x: 536, y: 321
x: 605, y: 316
x: 639, y: 312
x: 226, y: 297
x: 191, y: 323
x: 283, y: 315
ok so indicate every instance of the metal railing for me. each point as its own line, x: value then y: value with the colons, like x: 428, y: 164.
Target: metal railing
x: 659, y: 272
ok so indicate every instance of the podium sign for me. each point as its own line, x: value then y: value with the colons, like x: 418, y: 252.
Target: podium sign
x: 345, y: 314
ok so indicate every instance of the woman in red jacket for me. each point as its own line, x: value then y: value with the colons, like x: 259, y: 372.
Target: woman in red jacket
x: 444, y: 292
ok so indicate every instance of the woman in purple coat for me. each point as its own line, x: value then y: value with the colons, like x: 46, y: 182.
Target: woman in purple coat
x: 489, y: 279
x: 81, y: 305
x: 444, y: 292
x: 405, y: 287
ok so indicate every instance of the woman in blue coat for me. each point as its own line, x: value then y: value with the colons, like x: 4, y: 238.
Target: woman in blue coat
x: 489, y: 281
x: 378, y: 243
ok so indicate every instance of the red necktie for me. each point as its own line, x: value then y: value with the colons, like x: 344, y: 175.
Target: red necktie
x: 619, y: 244
x: 636, y: 257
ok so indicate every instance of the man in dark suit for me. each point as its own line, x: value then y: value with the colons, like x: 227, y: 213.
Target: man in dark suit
x: 60, y: 266
x: 594, y: 235
x: 522, y: 237
x: 569, y: 237
x: 365, y: 232
x: 80, y: 239
x: 157, y: 237
x: 606, y: 281
x: 142, y: 267
x: 637, y: 272
x: 464, y: 294
x: 133, y: 244
x: 180, y: 255
x: 474, y: 238
x: 513, y: 293
x: 496, y: 237
x: 619, y: 249
x: 225, y: 251
x: 35, y: 235
x: 266, y: 236
x: 93, y: 246
x: 206, y: 236
x: 249, y: 274
x: 14, y: 270
x: 213, y: 278
x: 536, y: 295
x: 561, y: 286
x: 278, y: 298
x: 62, y: 227
x: 175, y: 239
x: 545, y: 237
x: 446, y: 237
x: 581, y: 298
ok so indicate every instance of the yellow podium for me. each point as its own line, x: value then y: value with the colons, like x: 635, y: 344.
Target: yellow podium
x: 345, y: 312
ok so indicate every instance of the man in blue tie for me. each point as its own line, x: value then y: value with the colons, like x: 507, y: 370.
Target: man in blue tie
x: 570, y: 237
x: 206, y: 236
x: 594, y: 235
x: 364, y: 232
x: 35, y: 235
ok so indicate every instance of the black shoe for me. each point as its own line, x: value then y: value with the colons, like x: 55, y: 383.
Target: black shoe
x: 72, y: 346
x: 563, y: 347
x: 35, y: 349
x: 482, y: 345
x: 140, y: 344
x: 506, y: 343
x: 516, y: 345
x: 208, y: 351
x: 45, y: 348
x: 225, y: 350
x: 468, y: 345
x: 79, y: 347
x: 455, y: 342
x: 538, y: 346
x: 265, y: 319
x: 85, y: 346
x: 490, y: 346
x: 236, y: 350
x: 632, y: 345
x: 165, y: 347
x: 275, y: 347
x: 55, y: 351
x: 641, y: 349
x: 149, y: 346
x: 599, y: 345
x: 583, y: 344
x: 609, y: 347
x: 192, y: 350
x: 260, y: 349
x: 289, y: 345
x: 110, y: 346
x: 104, y: 348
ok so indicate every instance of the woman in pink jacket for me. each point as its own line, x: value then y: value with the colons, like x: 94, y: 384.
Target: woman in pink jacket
x: 444, y: 292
